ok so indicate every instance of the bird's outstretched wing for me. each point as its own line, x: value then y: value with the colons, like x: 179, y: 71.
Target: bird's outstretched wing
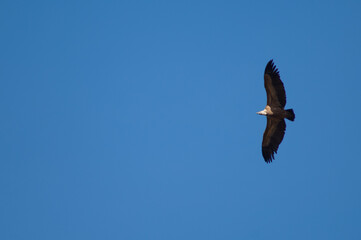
x: 272, y: 137
x: 276, y: 95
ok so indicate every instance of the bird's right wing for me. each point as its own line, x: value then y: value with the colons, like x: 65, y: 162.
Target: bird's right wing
x: 272, y: 137
x: 276, y: 94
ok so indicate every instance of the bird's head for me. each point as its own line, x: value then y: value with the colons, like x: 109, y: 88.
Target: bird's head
x: 263, y: 112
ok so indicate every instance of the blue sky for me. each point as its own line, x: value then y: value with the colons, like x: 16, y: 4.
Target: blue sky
x: 137, y: 120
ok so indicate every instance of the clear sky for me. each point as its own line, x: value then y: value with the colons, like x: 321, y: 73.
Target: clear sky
x: 137, y: 120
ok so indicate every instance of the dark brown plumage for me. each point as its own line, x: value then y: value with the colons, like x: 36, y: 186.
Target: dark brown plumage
x: 276, y: 94
x: 272, y: 137
x: 275, y: 112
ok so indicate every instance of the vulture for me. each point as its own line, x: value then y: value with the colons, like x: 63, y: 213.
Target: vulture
x: 275, y: 112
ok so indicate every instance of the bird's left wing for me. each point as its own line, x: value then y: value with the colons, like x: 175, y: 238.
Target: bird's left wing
x: 276, y: 94
x: 272, y: 137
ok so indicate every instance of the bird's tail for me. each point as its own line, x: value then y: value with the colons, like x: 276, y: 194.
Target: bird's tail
x: 290, y: 115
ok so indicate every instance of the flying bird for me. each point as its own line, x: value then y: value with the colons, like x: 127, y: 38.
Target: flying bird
x: 274, y: 111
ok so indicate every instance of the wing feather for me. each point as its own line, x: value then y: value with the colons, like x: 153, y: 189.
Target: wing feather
x: 272, y: 137
x: 276, y: 95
